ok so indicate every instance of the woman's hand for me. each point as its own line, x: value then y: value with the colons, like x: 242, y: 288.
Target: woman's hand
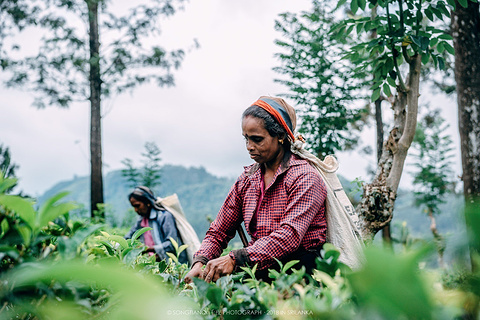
x: 217, y: 268
x: 195, y: 272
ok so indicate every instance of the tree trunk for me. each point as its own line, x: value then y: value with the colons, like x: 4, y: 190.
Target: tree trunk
x: 466, y: 35
x: 96, y: 177
x: 376, y: 206
x: 379, y: 125
x: 386, y: 232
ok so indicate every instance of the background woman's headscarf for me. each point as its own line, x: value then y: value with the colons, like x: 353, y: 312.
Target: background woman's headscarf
x: 145, y: 194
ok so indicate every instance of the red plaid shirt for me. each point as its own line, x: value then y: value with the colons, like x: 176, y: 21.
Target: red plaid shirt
x: 292, y: 214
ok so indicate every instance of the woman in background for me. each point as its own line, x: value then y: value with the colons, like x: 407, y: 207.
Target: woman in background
x: 160, y: 220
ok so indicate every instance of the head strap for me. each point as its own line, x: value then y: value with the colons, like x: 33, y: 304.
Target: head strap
x: 278, y: 112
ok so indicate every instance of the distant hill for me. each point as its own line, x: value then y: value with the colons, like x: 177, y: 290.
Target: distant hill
x: 201, y: 194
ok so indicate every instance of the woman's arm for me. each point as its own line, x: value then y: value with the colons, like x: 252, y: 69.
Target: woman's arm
x: 135, y: 227
x: 223, y: 228
x: 168, y: 227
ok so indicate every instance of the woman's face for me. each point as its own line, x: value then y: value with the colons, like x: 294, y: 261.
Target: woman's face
x: 140, y: 208
x: 261, y: 146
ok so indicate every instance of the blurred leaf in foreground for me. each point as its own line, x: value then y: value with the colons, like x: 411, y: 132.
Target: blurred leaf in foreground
x: 392, y: 285
x: 134, y: 295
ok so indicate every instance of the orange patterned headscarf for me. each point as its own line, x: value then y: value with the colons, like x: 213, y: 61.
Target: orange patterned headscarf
x: 281, y: 111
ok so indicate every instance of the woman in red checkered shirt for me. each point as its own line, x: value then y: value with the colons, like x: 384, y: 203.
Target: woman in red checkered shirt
x: 280, y: 198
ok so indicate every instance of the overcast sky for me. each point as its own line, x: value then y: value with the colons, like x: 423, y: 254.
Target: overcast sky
x: 196, y: 123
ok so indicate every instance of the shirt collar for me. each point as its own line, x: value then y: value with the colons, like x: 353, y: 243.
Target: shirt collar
x: 153, y: 214
x: 293, y: 160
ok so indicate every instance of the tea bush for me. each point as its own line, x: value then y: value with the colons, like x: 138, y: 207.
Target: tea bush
x: 56, y: 268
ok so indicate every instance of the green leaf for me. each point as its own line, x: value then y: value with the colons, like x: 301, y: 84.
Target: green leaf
x: 120, y: 240
x: 23, y: 207
x: 386, y: 90
x: 10, y: 251
x: 289, y: 264
x: 445, y: 36
x: 425, y: 58
x: 26, y: 234
x: 341, y: 3
x: 131, y: 254
x: 172, y: 256
x: 449, y: 48
x: 376, y: 85
x: 52, y: 213
x: 362, y: 4
x: 452, y: 3
x: 349, y: 29
x: 68, y: 246
x: 421, y: 41
x: 359, y: 27
x: 162, y: 266
x: 51, y: 210
x: 6, y: 184
x: 181, y: 248
x: 108, y: 246
x: 463, y: 3
x: 375, y: 95
x: 174, y: 243
x: 216, y: 297
x: 391, y: 82
x: 139, y: 232
x: 441, y: 63
x: 354, y: 6
x: 429, y: 14
x: 333, y: 253
x: 326, y: 279
x: 392, y: 285
x: 424, y: 43
x: 441, y: 47
x: 5, y: 227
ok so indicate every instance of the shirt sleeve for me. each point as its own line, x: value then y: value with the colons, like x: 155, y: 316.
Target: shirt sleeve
x: 223, y: 228
x: 135, y: 227
x: 304, y: 202
x: 168, y: 228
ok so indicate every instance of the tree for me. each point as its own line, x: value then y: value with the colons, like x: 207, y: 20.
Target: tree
x: 107, y: 56
x: 466, y: 34
x: 433, y: 177
x: 14, y: 16
x: 150, y: 174
x: 406, y: 39
x: 321, y: 85
x: 151, y: 167
x: 7, y: 167
x: 130, y: 173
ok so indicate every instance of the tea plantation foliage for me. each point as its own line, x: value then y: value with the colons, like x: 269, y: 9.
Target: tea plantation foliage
x: 55, y: 267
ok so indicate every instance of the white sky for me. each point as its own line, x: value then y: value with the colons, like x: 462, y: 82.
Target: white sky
x: 196, y: 123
